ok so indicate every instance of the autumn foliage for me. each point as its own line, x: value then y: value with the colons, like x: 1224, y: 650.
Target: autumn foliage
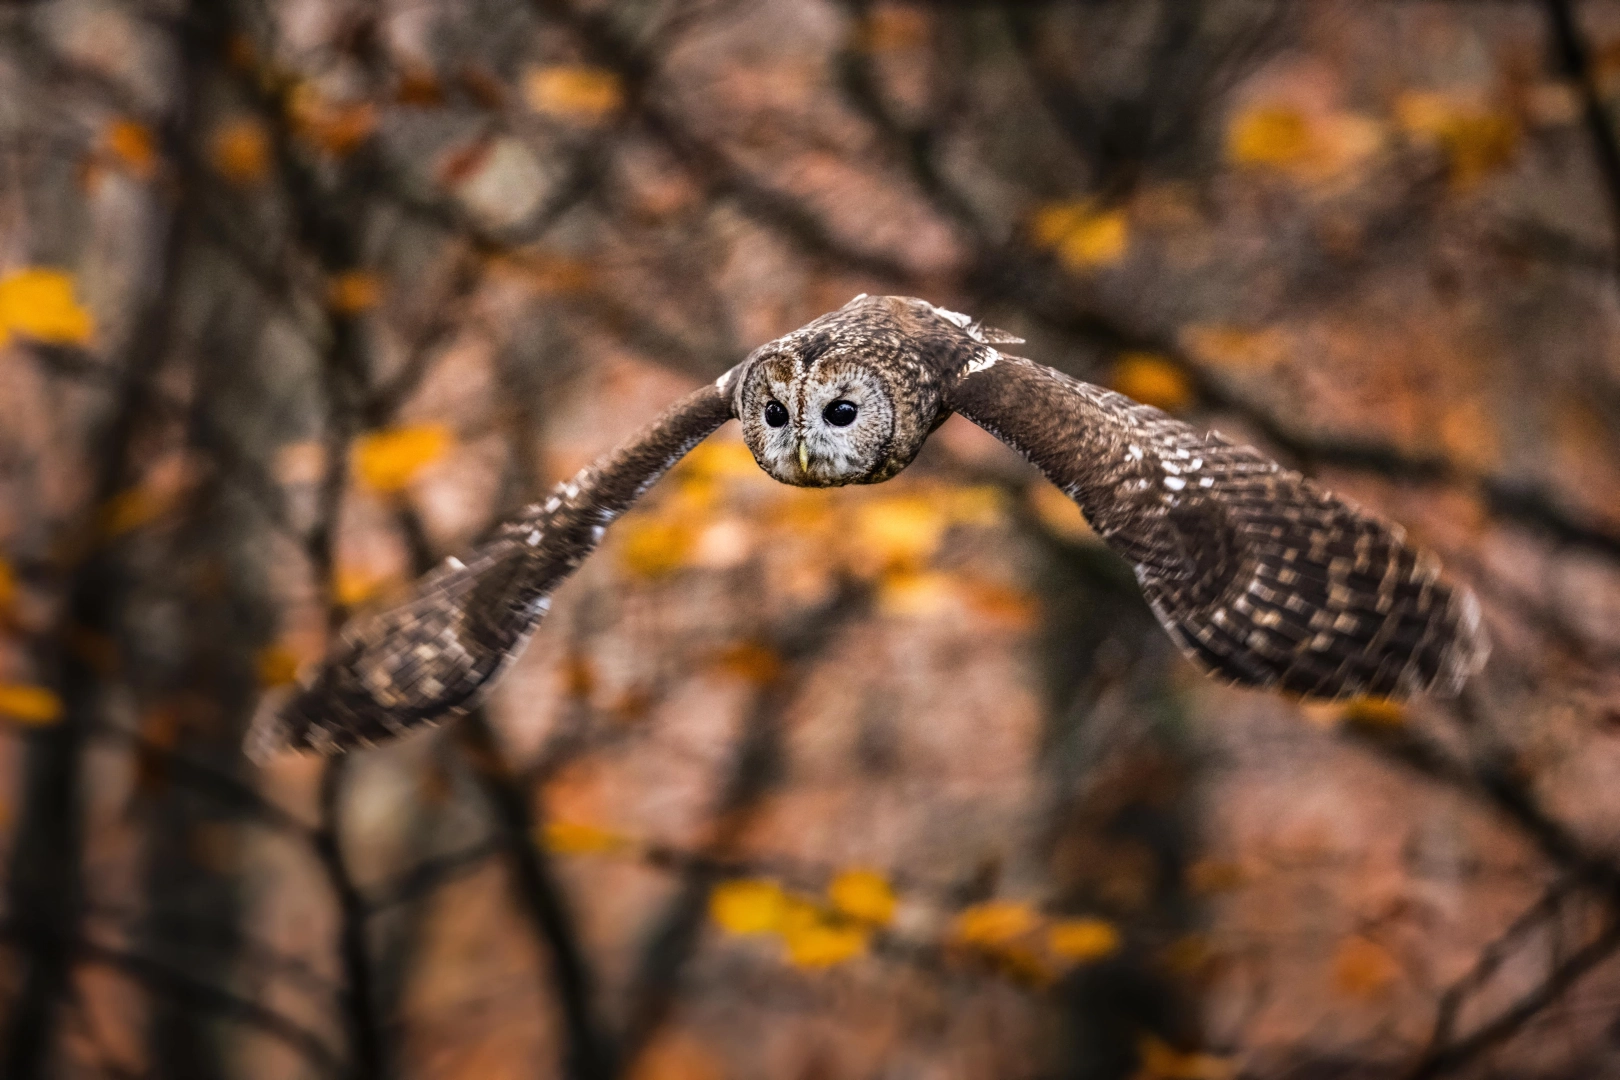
x: 298, y: 300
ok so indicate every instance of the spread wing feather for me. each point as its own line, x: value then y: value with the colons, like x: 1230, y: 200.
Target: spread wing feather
x: 432, y: 658
x: 1258, y: 574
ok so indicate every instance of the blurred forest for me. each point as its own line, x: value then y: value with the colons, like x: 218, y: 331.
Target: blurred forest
x: 299, y: 296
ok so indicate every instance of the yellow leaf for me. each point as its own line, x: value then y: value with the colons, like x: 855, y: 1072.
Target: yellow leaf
x: 353, y: 292
x: 720, y: 459
x: 1375, y: 712
x: 339, y: 128
x: 33, y: 705
x: 748, y: 906
x: 277, y: 666
x: 39, y: 302
x: 1082, y: 939
x: 1059, y: 513
x: 863, y: 895
x: 980, y: 505
x: 573, y: 92
x: 1151, y: 379
x: 1082, y: 236
x: 578, y: 838
x: 1237, y: 349
x: 899, y: 532
x: 817, y: 943
x: 389, y: 460
x: 1476, y: 140
x: 1269, y: 135
x: 131, y: 145
x: 1363, y: 968
x: 993, y: 924
x: 909, y: 594
x: 352, y: 586
x: 1160, y: 1061
x: 241, y: 151
x: 653, y: 546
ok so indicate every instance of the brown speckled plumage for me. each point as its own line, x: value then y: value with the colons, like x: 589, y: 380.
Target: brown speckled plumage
x: 1257, y: 574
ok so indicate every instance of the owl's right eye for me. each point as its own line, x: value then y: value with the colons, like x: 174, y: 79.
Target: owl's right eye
x: 776, y: 414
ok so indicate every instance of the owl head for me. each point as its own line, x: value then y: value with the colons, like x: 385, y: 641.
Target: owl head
x: 851, y: 397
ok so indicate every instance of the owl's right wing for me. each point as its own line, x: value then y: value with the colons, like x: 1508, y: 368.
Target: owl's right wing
x: 432, y: 658
x: 1259, y: 575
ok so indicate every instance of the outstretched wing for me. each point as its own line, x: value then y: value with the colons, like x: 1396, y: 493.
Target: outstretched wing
x: 431, y: 659
x: 1258, y: 574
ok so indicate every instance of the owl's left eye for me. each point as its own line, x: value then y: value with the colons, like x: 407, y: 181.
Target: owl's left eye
x: 775, y: 414
x: 840, y: 413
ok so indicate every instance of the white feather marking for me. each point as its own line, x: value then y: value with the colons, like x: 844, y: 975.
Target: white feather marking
x: 552, y: 504
x: 535, y: 537
x: 455, y: 564
x: 1174, y: 483
x: 983, y: 363
x: 1135, y: 452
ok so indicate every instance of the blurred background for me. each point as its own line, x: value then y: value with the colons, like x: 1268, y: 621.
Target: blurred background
x: 298, y: 297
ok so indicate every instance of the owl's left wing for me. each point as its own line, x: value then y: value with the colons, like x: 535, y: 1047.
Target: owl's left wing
x: 1258, y: 574
x: 431, y: 659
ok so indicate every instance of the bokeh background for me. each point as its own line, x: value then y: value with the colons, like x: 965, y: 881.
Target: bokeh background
x: 298, y: 297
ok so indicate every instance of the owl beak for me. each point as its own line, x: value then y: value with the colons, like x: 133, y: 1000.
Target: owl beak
x: 804, y: 457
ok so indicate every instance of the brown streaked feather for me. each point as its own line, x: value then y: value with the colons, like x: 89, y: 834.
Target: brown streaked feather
x: 432, y: 658
x: 1258, y: 574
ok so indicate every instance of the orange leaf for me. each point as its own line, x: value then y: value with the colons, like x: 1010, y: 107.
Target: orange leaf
x: 1083, y: 939
x: 577, y: 838
x: 891, y: 29
x: 39, y: 303
x: 1363, y: 968
x: 339, y: 128
x: 751, y: 662
x: 277, y: 666
x: 419, y: 87
x: 863, y: 895
x: 1160, y: 1061
x: 1269, y: 135
x: 1151, y: 379
x: 241, y: 151
x: 389, y: 460
x: 132, y: 509
x: 32, y: 705
x: 352, y: 586
x: 812, y: 941
x: 353, y: 292
x: 1375, y: 712
x: 130, y: 142
x: 573, y: 92
x: 994, y: 924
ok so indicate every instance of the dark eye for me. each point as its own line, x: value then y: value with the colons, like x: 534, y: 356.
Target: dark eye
x: 840, y: 413
x: 776, y: 414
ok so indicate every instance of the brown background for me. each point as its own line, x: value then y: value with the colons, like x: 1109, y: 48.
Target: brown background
x: 362, y: 277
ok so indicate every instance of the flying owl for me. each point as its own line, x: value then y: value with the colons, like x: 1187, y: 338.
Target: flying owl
x: 1260, y: 576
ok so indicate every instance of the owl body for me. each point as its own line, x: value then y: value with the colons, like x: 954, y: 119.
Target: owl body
x: 1260, y: 576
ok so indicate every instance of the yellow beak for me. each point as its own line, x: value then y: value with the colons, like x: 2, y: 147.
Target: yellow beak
x: 804, y: 457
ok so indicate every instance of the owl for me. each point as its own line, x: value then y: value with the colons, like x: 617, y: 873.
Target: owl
x: 1258, y: 575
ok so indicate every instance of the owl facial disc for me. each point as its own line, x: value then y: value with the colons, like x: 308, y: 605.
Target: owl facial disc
x: 827, y: 423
